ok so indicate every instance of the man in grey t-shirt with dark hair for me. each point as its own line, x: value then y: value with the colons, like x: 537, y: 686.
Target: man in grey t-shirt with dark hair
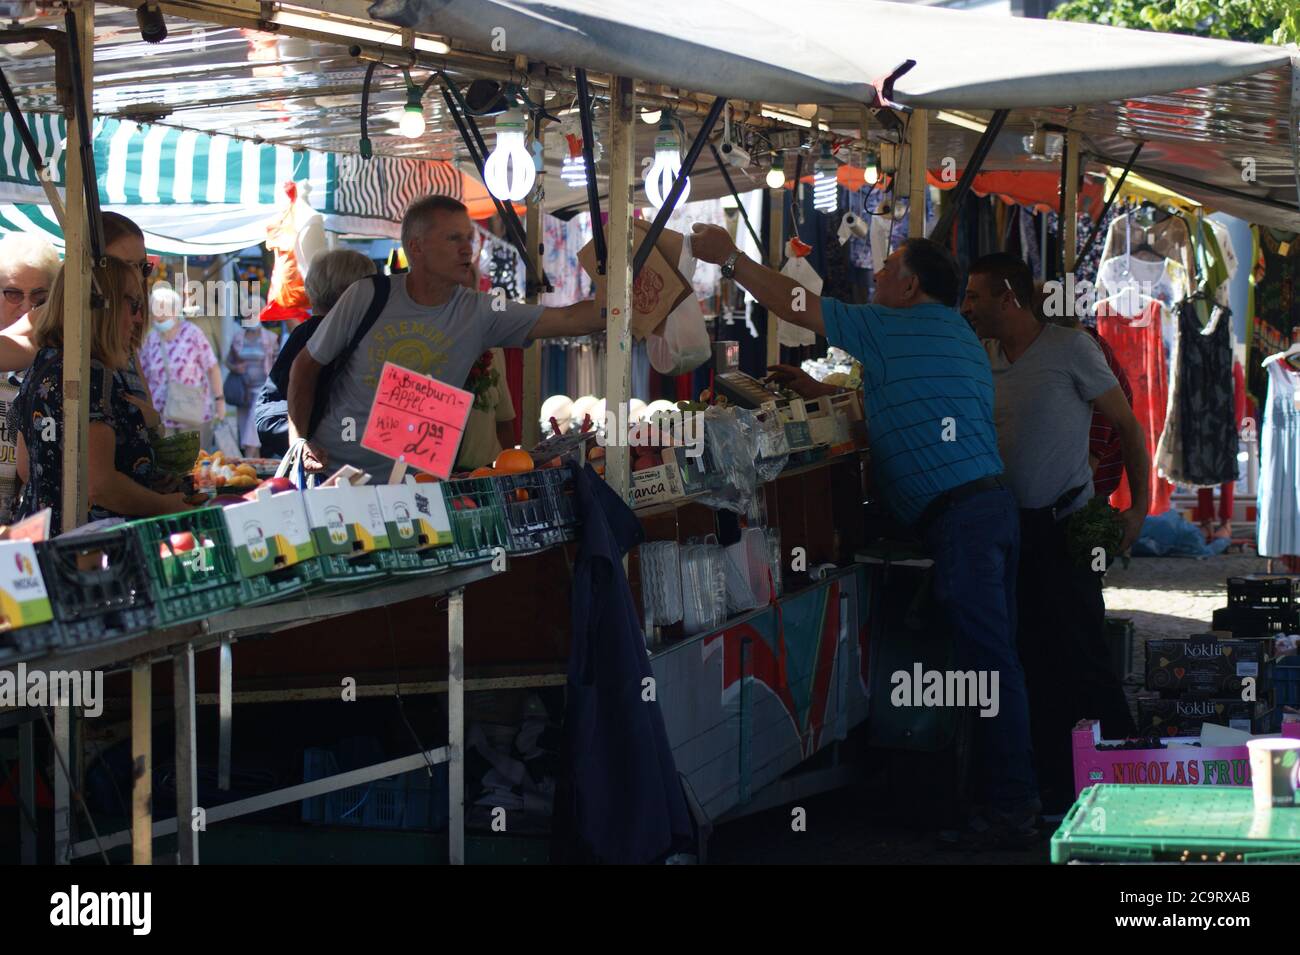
x: 431, y: 324
x: 1046, y: 381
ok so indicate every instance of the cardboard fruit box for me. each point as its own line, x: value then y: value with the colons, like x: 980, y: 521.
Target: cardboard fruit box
x: 1185, y: 717
x: 345, y: 520
x: 269, y: 532
x: 1206, y: 666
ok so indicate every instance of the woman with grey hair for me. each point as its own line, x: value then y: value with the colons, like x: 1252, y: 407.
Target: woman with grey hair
x: 28, y: 265
x: 329, y: 277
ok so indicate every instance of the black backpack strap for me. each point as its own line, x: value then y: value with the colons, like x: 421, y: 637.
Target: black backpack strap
x: 377, y: 305
x: 325, y: 383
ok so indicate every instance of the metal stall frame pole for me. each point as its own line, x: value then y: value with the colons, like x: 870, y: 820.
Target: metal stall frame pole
x: 142, y: 762
x: 531, y: 401
x: 1070, y: 217
x: 775, y: 246
x: 76, y: 303
x: 973, y: 166
x: 618, y: 287
x: 918, y: 132
x: 456, y: 727
x: 187, y: 782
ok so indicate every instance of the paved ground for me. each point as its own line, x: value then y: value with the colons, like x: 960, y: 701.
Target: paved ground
x: 1164, y: 597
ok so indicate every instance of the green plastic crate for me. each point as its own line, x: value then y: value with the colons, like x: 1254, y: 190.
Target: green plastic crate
x: 193, y: 584
x: 278, y: 584
x: 1119, y: 823
x: 408, y: 562
x: 335, y: 574
x: 478, y: 519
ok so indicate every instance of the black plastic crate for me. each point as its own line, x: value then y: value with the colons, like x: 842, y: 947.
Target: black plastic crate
x: 98, y: 584
x: 539, y: 510
x: 24, y: 641
x: 1119, y: 641
x: 1264, y: 592
x: 1245, y: 622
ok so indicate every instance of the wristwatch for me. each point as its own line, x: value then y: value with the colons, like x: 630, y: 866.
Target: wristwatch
x: 729, y: 266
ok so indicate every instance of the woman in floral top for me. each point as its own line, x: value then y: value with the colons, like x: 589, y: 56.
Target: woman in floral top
x: 121, y: 462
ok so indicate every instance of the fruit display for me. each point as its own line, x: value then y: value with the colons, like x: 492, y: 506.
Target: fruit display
x: 214, y: 471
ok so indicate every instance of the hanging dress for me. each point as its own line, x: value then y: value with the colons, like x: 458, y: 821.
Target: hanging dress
x: 1279, y: 467
x: 1199, y: 445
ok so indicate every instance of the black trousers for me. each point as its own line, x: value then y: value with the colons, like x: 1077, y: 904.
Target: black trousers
x: 1061, y: 637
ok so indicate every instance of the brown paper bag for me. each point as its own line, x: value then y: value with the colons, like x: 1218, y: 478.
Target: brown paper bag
x: 659, y: 289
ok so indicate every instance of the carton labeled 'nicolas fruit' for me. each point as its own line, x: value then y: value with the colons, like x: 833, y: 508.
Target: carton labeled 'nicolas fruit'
x: 1206, y: 666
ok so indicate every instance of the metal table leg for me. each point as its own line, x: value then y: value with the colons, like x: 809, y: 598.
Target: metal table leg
x: 187, y: 837
x: 62, y: 788
x: 142, y: 767
x: 225, y: 706
x: 27, y: 763
x: 456, y: 727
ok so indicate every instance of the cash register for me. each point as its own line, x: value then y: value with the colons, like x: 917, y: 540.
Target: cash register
x: 738, y: 388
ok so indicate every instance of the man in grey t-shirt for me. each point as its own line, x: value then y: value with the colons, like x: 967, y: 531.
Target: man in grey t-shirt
x: 431, y: 324
x: 1046, y: 381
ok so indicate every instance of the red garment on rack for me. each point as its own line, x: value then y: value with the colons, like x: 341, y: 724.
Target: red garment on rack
x: 1138, y: 345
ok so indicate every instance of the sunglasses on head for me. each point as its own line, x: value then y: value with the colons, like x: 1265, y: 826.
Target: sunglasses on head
x: 146, y: 268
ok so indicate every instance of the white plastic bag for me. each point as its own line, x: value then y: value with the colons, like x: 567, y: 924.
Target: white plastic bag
x: 684, y: 344
x: 223, y: 434
x: 799, y: 269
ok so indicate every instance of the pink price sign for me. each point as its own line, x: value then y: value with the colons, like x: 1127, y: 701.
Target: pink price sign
x: 417, y: 420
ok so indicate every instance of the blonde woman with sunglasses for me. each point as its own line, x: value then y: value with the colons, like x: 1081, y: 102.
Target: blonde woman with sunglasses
x: 121, y: 464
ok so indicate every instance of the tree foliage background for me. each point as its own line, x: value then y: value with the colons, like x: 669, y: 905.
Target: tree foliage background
x: 1253, y: 21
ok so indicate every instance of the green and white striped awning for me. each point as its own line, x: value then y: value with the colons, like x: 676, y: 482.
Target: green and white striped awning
x: 152, y: 164
x: 193, y: 193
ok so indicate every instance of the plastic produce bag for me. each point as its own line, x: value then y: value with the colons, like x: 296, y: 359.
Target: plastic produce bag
x: 748, y: 585
x: 732, y: 453
x: 798, y: 268
x: 684, y: 343
x: 771, y: 448
x: 223, y: 434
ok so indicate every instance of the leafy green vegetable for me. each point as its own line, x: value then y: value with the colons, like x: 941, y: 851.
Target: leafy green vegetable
x: 1096, y: 525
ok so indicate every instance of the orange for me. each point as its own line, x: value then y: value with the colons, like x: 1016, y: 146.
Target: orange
x: 482, y: 472
x: 513, y: 461
x: 422, y: 478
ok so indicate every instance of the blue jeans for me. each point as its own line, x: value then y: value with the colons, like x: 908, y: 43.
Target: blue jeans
x: 976, y: 548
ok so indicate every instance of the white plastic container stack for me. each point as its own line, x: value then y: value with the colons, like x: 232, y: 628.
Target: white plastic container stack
x: 661, y: 584
x: 704, y: 588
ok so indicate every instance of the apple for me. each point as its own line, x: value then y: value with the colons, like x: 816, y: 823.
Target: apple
x: 182, y: 542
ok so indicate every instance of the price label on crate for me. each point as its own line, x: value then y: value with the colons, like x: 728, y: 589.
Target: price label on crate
x: 417, y: 420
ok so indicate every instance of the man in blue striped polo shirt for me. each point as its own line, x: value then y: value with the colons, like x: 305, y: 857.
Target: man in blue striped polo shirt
x: 928, y: 391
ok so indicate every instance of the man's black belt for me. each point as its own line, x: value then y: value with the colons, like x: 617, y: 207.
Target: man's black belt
x: 955, y: 495
x: 1061, y: 503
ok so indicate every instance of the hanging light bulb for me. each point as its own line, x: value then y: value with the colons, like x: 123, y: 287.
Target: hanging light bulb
x: 667, y: 165
x: 776, y: 175
x: 826, y: 185
x: 411, y: 125
x: 574, y: 168
x: 509, y: 172
x: 651, y: 116
x: 872, y: 174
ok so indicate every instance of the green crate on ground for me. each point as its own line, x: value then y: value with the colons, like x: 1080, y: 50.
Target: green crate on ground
x: 478, y: 520
x: 1120, y: 823
x: 189, y: 582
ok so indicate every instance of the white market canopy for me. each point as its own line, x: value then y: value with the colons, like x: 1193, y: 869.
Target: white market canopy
x: 1202, y: 106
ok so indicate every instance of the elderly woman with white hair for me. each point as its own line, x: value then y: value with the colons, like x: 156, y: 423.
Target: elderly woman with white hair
x: 181, y: 368
x: 28, y: 266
